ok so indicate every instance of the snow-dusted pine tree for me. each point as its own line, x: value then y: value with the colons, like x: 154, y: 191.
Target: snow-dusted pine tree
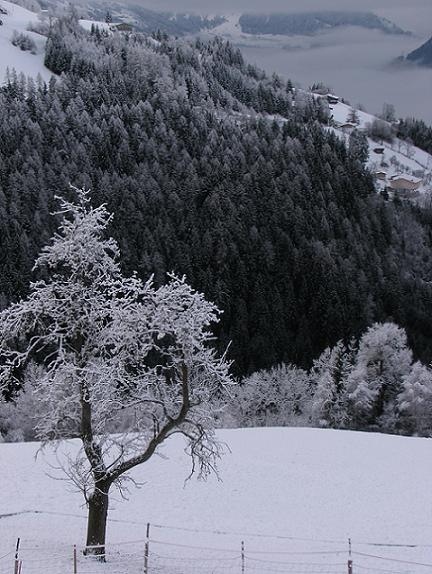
x: 358, y: 146
x: 329, y: 376
x: 382, y: 361
x: 113, y: 349
x: 353, y: 116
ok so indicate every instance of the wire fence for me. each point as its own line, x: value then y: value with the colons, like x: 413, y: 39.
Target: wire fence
x: 166, y: 550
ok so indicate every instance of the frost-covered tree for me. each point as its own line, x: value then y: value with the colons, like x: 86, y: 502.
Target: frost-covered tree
x: 353, y: 116
x: 113, y: 350
x: 24, y: 42
x: 19, y: 414
x: 279, y: 396
x: 388, y: 113
x: 380, y: 130
x: 382, y: 362
x: 329, y: 375
x: 415, y: 401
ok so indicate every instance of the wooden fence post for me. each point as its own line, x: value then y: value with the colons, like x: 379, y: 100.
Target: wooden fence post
x: 243, y: 557
x: 350, y: 563
x: 16, y: 565
x: 75, y: 561
x: 147, y: 549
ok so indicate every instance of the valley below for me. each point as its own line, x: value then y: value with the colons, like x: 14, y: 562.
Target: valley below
x: 356, y: 64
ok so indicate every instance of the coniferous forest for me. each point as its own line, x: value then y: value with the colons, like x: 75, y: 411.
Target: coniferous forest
x: 218, y: 172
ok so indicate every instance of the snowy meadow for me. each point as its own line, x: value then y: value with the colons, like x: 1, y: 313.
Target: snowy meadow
x: 293, y: 496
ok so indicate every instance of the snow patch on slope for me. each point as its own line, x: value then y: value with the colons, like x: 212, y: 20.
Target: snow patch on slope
x: 87, y: 25
x: 231, y: 27
x: 18, y: 18
x: 231, y: 30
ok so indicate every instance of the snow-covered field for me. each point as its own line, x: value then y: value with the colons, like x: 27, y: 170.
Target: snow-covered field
x: 293, y: 496
x: 18, y: 18
x: 87, y: 25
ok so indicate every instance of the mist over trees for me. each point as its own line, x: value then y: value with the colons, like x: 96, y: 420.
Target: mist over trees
x: 216, y: 171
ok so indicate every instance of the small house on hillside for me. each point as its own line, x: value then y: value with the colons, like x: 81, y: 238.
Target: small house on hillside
x: 332, y: 100
x: 121, y: 27
x: 404, y: 182
x: 381, y: 175
x: 347, y: 127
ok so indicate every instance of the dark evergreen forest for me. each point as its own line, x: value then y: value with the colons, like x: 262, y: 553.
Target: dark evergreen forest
x: 417, y: 131
x: 217, y: 171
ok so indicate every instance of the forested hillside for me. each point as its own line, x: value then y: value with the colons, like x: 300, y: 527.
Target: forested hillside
x: 417, y: 131
x: 269, y: 216
x: 423, y: 55
x: 313, y: 22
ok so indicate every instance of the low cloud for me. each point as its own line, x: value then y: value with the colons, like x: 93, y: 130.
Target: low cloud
x: 206, y: 6
x: 355, y: 64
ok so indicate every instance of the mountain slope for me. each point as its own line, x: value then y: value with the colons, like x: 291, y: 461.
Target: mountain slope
x: 293, y: 495
x: 313, y: 22
x: 398, y: 157
x: 191, y: 23
x: 423, y: 55
x: 275, y: 223
x: 17, y: 19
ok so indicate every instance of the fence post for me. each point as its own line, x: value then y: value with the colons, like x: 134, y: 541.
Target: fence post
x: 75, y: 562
x: 146, y: 550
x: 350, y: 562
x: 243, y: 557
x: 16, y: 565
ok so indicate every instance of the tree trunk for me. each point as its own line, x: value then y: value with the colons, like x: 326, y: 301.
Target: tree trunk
x: 97, y: 521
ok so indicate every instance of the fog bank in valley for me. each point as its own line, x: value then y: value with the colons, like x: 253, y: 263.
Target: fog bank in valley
x: 354, y: 62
